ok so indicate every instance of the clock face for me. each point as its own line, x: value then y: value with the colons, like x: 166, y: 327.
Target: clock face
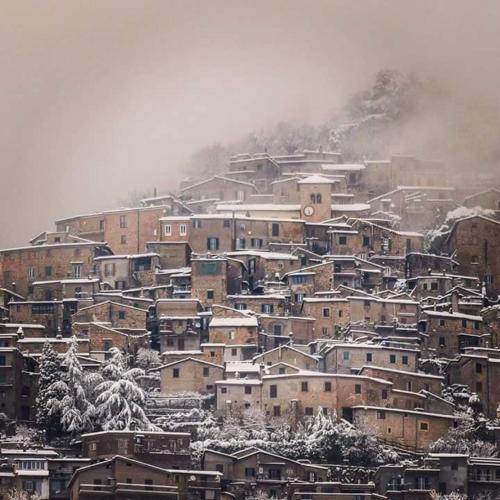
x: 308, y: 211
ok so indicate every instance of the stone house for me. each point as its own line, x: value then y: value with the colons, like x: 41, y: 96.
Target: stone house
x: 376, y: 310
x: 233, y: 331
x: 220, y: 188
x: 405, y: 380
x: 171, y: 254
x: 214, y: 278
x: 190, y: 375
x: 488, y: 199
x: 127, y: 271
x: 290, y: 355
x: 329, y: 313
x: 118, y: 316
x: 18, y: 384
x: 102, y: 338
x: 120, y: 476
x: 411, y: 429
x: 450, y: 332
x: 126, y: 231
x: 53, y: 315
x: 480, y: 373
x: 163, y: 449
x: 352, y: 357
x: 20, y: 267
x: 259, y: 304
x: 253, y: 468
x: 474, y: 242
x: 278, y: 330
x: 230, y: 231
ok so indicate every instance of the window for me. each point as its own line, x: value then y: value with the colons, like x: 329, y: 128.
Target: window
x: 442, y: 322
x: 42, y: 308
x: 273, y: 391
x: 476, y: 325
x: 346, y: 355
x: 31, y: 273
x: 249, y: 472
x: 384, y: 394
x: 3, y: 360
x: 167, y: 230
x: 308, y: 411
x: 107, y: 344
x: 424, y: 426
x: 123, y: 221
x: 176, y: 372
x: 256, y: 242
x: 48, y: 271
x: 392, y: 358
x: 328, y: 387
x: 479, y: 368
x: 326, y: 312
x: 76, y: 270
x: 380, y: 414
x: 275, y: 229
x: 212, y: 243
x: 366, y: 241
x: 240, y: 306
x: 281, y: 370
x: 210, y: 294
x: 123, y: 239
x: 121, y: 314
x: 304, y: 386
x: 299, y: 297
x: 240, y: 243
x: 206, y: 371
x: 223, y: 390
x: 442, y: 342
x: 267, y: 308
x: 277, y: 330
x: 357, y: 388
x: 234, y: 352
x: 342, y: 240
x: 276, y: 411
x: 226, y: 223
x: 474, y: 259
x: 196, y: 223
x: 434, y: 286
x: 404, y: 360
x: 248, y: 389
x: 299, y: 279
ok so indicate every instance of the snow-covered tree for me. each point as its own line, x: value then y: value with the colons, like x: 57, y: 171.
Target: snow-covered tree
x: 147, y: 359
x: 70, y: 401
x: 435, y: 238
x: 454, y: 495
x: 50, y: 373
x: 119, y: 405
x: 17, y: 494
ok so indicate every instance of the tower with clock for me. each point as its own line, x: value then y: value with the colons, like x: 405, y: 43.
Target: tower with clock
x: 315, y: 198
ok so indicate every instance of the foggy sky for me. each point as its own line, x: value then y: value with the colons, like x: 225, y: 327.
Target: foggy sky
x: 98, y: 98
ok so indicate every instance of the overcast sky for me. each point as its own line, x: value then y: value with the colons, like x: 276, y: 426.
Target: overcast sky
x: 98, y: 98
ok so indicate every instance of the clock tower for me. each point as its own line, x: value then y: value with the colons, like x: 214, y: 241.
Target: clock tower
x: 315, y: 198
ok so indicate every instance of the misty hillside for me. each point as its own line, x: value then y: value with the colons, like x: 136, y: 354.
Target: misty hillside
x: 366, y: 128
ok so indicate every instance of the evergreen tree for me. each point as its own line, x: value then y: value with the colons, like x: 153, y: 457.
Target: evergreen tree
x: 77, y: 413
x: 50, y: 373
x: 121, y: 400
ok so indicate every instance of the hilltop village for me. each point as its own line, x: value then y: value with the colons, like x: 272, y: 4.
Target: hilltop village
x: 294, y: 328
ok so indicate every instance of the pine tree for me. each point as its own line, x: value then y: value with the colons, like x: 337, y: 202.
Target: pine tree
x: 50, y: 372
x: 121, y: 400
x: 77, y: 413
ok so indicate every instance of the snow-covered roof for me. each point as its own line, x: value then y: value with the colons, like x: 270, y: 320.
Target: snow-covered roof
x: 350, y: 207
x: 316, y: 179
x: 444, y: 314
x: 218, y: 322
x: 343, y: 167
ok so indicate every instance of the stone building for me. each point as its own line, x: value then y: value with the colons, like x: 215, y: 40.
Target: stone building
x: 474, y: 242
x: 21, y: 267
x: 126, y: 231
x: 190, y: 375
